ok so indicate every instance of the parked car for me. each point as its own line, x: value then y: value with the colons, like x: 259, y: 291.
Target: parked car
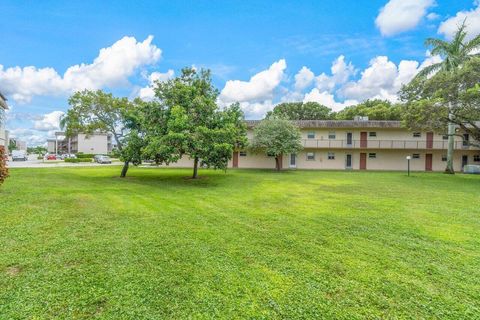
x: 97, y: 157
x: 104, y: 159
x: 19, y: 155
x: 50, y: 156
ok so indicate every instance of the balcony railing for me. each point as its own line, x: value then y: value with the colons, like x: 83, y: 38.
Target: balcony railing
x: 383, y: 144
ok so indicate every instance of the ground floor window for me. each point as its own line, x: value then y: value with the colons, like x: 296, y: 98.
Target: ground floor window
x: 416, y: 156
x: 476, y: 157
x: 372, y: 155
x: 310, y: 156
x: 372, y: 134
x: 444, y: 157
x: 243, y: 153
x: 331, y: 156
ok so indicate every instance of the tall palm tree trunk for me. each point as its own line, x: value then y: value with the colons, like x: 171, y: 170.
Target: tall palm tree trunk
x: 451, y: 142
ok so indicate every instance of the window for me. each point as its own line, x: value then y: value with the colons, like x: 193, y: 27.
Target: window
x: 416, y: 156
x: 417, y: 134
x: 311, y: 135
x: 331, y: 156
x: 310, y: 156
x: 444, y: 157
x: 372, y: 155
x: 466, y: 138
x: 243, y: 153
x: 372, y: 134
x: 445, y: 137
x: 331, y: 135
x: 476, y: 157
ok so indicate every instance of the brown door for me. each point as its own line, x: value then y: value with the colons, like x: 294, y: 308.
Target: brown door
x: 429, y: 140
x: 363, y: 139
x: 363, y: 161
x: 428, y: 162
x: 235, y: 159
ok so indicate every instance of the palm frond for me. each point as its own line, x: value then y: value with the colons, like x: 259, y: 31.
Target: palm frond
x: 425, y: 72
x: 472, y: 45
x: 438, y: 46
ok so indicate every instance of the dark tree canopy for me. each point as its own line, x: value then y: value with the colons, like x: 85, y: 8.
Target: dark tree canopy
x: 427, y: 101
x: 375, y: 109
x: 300, y: 111
x: 187, y: 121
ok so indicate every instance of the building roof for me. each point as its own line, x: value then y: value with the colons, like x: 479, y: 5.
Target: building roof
x: 338, y: 123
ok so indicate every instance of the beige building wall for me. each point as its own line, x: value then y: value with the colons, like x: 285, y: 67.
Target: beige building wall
x: 96, y: 144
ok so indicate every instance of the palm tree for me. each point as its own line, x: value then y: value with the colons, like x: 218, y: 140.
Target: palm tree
x: 454, y: 54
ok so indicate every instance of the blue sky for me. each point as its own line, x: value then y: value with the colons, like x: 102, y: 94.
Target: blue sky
x: 348, y: 51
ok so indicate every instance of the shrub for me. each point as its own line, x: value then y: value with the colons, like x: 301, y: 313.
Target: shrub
x: 77, y: 160
x: 85, y: 155
x: 3, y: 165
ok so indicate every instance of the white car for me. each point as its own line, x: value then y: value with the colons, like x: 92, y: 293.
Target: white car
x: 19, y: 155
x: 104, y: 159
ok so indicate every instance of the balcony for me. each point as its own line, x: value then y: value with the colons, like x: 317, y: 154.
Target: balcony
x: 383, y: 144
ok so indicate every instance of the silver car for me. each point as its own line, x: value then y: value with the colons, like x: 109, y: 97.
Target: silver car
x: 104, y: 159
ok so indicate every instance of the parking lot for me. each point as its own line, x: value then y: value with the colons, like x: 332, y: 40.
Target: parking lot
x: 33, y: 162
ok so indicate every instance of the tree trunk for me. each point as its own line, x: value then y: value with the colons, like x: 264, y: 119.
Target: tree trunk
x: 124, y: 169
x: 451, y: 142
x: 277, y: 163
x: 195, y: 168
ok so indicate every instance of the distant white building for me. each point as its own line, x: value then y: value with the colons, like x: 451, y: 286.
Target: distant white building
x: 3, y: 109
x: 97, y: 143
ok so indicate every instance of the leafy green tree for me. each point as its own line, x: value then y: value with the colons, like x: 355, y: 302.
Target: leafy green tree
x: 38, y: 150
x: 454, y: 54
x: 193, y: 123
x: 375, y: 109
x: 12, y: 145
x: 300, y: 111
x: 448, y: 97
x: 276, y: 137
x: 97, y: 111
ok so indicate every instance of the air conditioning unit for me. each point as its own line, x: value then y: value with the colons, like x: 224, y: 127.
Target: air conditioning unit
x: 471, y: 168
x: 360, y: 118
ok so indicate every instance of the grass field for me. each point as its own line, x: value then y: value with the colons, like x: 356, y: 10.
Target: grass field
x: 80, y: 243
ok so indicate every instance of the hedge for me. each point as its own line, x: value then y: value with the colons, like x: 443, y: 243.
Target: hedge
x: 77, y: 160
x: 85, y: 155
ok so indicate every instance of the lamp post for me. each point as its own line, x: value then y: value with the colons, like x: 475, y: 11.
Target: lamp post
x: 408, y: 165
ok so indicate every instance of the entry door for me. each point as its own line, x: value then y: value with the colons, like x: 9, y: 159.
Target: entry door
x: 464, y: 160
x: 363, y: 161
x: 349, y: 138
x: 348, y: 161
x: 428, y: 162
x: 293, y: 160
x: 429, y: 140
x: 363, y: 139
x: 235, y: 159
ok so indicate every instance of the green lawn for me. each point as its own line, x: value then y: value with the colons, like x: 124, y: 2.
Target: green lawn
x: 80, y: 243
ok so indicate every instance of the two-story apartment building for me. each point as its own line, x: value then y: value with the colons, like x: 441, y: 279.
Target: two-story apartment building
x: 364, y: 145
x: 3, y: 109
x: 97, y: 143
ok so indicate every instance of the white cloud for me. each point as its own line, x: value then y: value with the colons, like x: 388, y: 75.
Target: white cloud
x: 112, y: 67
x: 260, y: 87
x: 31, y: 137
x: 341, y: 72
x: 49, y: 121
x: 147, y: 92
x: 450, y: 26
x: 433, y: 16
x: 303, y: 78
x: 256, y: 110
x: 401, y: 15
x: 327, y: 99
x: 383, y: 79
